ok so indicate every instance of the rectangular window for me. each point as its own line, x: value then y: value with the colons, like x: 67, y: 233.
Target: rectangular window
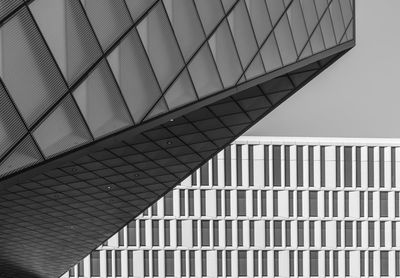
x: 338, y: 234
x: 242, y: 263
x: 71, y: 272
x: 335, y: 204
x: 382, y: 233
x: 371, y: 263
x: 397, y: 262
x: 95, y: 263
x: 348, y: 167
x: 335, y: 263
x: 300, y: 233
x: 287, y: 165
x: 251, y: 165
x: 264, y: 266
x: 130, y: 263
x: 155, y: 262
x: 393, y: 234
x: 227, y: 166
x: 359, y: 234
x: 194, y: 232
x: 346, y: 204
x: 338, y: 181
x: 192, y: 264
x: 255, y: 263
x: 361, y: 204
x: 228, y: 263
x: 291, y: 204
x: 203, y: 263
x: 288, y: 233
x: 169, y: 204
x: 241, y: 202
x: 219, y: 203
x: 205, y: 232
x: 255, y: 203
x: 370, y: 204
x: 362, y: 263
x: 263, y: 203
x: 109, y: 263
x: 132, y: 233
x: 154, y: 209
x: 291, y: 263
x: 216, y: 232
x: 300, y: 263
x: 219, y: 263
x: 346, y: 263
x: 322, y: 157
x: 146, y: 212
x: 179, y: 232
x: 358, y: 166
x: 169, y: 263
x: 155, y: 232
x: 327, y: 264
x: 326, y: 204
x: 266, y: 165
x: 167, y: 232
x: 275, y: 203
x: 277, y: 233
x: 311, y: 166
x: 121, y: 237
x: 393, y: 166
x: 299, y: 203
x: 203, y: 205
x: 215, y: 170
x: 299, y: 160
x: 313, y: 263
x: 183, y: 263
x: 267, y: 233
x: 371, y: 234
x: 118, y: 266
x: 194, y: 178
x: 204, y: 175
x: 348, y: 233
x: 276, y: 263
x: 396, y: 204
x: 370, y: 164
x: 182, y: 202
x: 251, y: 222
x: 381, y: 167
x: 323, y: 233
x: 191, y: 202
x: 146, y: 263
x: 142, y: 232
x: 276, y: 165
x: 228, y: 233
x: 313, y: 207
x: 384, y: 204
x: 227, y: 203
x: 239, y: 169
x: 312, y: 233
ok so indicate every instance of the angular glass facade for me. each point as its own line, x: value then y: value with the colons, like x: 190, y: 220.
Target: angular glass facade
x: 318, y: 227
x: 107, y: 104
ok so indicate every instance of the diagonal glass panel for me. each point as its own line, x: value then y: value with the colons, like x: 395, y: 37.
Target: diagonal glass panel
x: 270, y: 54
x: 242, y: 32
x: 225, y: 55
x: 186, y: 25
x: 109, y: 18
x: 160, y: 44
x: 325, y: 23
x: 285, y: 41
x: 260, y: 19
x: 210, y: 12
x: 311, y: 19
x: 204, y: 73
x: 297, y: 24
x: 134, y: 75
x: 346, y: 10
x: 181, y: 92
x: 227, y: 4
x: 159, y: 108
x: 7, y: 7
x: 337, y: 19
x: 67, y: 31
x: 28, y: 70
x: 100, y: 102
x: 275, y: 9
x: 62, y: 130
x: 24, y: 155
x: 256, y: 68
x: 12, y: 127
x: 138, y: 7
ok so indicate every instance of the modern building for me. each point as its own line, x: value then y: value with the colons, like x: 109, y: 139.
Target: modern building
x: 269, y: 207
x: 108, y: 104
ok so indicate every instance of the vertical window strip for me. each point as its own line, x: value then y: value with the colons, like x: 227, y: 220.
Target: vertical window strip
x: 287, y: 165
x: 227, y: 166
x: 338, y: 178
x: 393, y: 166
x: 381, y: 167
x: 370, y: 166
x: 358, y: 166
x: 311, y: 166
x: 239, y: 170
x: 348, y: 167
x: 215, y: 171
x: 251, y: 165
x: 266, y: 165
x: 276, y: 165
x: 322, y: 165
x: 299, y: 164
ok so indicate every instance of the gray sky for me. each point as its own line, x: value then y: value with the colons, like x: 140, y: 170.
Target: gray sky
x: 359, y: 95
